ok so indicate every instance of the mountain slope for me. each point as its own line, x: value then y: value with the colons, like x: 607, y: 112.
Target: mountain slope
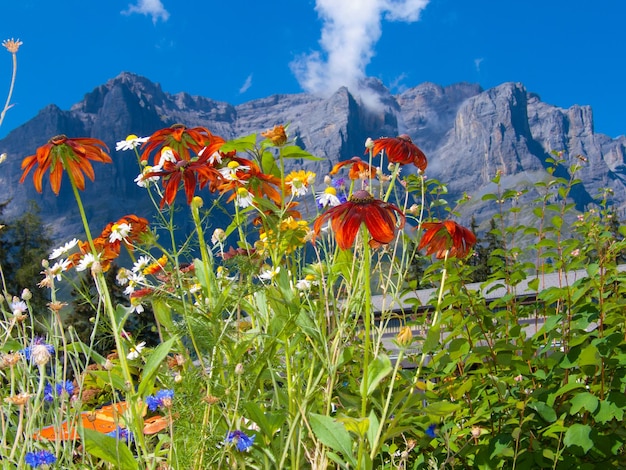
x: 468, y: 134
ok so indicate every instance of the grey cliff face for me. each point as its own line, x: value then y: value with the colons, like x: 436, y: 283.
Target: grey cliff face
x: 468, y: 134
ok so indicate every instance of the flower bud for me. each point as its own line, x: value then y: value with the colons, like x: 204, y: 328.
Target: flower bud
x: 26, y: 294
x: 405, y: 336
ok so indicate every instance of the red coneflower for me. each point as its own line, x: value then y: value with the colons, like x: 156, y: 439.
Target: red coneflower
x: 62, y: 153
x: 182, y: 139
x: 380, y: 218
x: 401, y: 150
x: 446, y: 238
x: 358, y: 169
x: 191, y: 172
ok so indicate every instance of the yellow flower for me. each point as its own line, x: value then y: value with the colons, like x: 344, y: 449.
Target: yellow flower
x: 298, y: 182
x: 405, y: 336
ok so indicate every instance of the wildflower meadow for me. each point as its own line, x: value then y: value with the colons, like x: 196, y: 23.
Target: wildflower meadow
x: 294, y: 335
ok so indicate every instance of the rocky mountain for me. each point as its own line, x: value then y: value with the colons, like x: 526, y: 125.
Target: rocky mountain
x: 467, y: 133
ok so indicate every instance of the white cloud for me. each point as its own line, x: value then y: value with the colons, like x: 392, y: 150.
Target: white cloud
x: 351, y: 29
x: 247, y: 84
x: 153, y: 8
x: 477, y: 63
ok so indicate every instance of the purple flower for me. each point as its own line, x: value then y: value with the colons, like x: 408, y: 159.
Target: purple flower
x: 39, y: 457
x: 48, y: 393
x: 38, y: 351
x: 122, y: 434
x: 241, y: 440
x: 162, y: 398
x: 431, y: 431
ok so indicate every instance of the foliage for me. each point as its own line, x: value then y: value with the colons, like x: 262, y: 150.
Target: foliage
x: 275, y: 347
x: 24, y: 242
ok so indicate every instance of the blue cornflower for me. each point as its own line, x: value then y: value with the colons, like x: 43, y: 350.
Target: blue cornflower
x: 431, y: 431
x: 340, y: 185
x: 162, y: 399
x: 241, y: 440
x: 39, y: 351
x: 122, y: 434
x: 39, y: 457
x: 48, y: 393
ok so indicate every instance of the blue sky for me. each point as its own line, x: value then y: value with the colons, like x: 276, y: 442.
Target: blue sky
x: 567, y: 51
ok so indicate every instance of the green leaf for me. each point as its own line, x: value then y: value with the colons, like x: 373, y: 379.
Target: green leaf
x: 121, y: 314
x: 268, y: 164
x: 112, y: 377
x: 332, y: 434
x: 240, y: 145
x: 442, y: 408
x: 544, y: 410
x: 374, y: 424
x: 578, y: 435
x: 589, y: 356
x: 533, y: 284
x: 152, y: 366
x: 293, y: 151
x: 432, y: 339
x: 377, y: 370
x: 564, y: 389
x: 585, y: 401
x: 163, y: 314
x: 109, y: 449
x: 557, y: 221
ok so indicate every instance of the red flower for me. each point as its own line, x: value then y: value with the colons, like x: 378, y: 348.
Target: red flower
x: 191, y: 172
x: 447, y: 237
x: 181, y: 140
x: 401, y: 150
x: 380, y: 218
x: 71, y: 155
x: 358, y: 170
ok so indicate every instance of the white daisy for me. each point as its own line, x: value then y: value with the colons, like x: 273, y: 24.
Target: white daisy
x: 244, y: 198
x: 143, y: 181
x: 86, y: 262
x: 59, y: 267
x: 328, y: 197
x: 131, y: 142
x: 119, y: 232
x: 136, y: 351
x: 141, y: 263
x: 269, y: 274
x: 63, y: 249
x: 229, y: 172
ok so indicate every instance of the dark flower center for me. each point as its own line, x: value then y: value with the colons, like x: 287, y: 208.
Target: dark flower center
x: 361, y: 197
x: 58, y: 139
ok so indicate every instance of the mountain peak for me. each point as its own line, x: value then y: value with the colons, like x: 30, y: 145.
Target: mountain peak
x: 467, y: 133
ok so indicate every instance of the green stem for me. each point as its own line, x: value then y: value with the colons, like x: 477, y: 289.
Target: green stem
x: 383, y: 416
x: 367, y: 320
x: 437, y: 314
x: 394, y: 175
x: 103, y: 291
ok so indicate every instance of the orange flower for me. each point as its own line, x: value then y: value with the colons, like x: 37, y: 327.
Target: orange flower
x: 62, y: 153
x: 182, y: 140
x: 197, y: 171
x: 446, y: 238
x: 401, y: 150
x: 255, y: 182
x: 276, y: 135
x: 128, y: 229
x: 358, y: 170
x: 380, y: 218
